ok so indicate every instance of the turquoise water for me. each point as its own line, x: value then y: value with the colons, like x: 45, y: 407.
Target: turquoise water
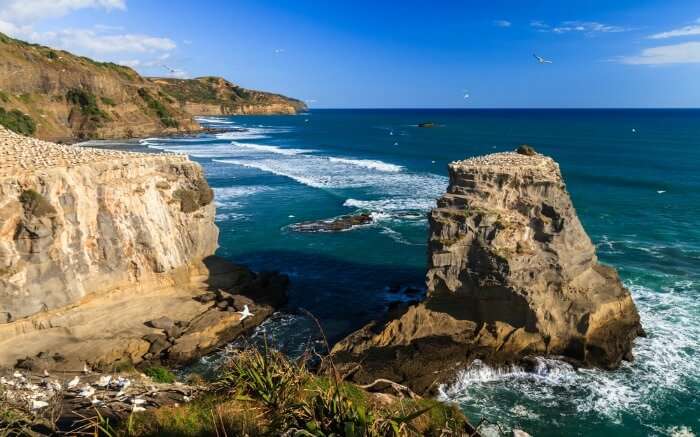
x: 637, y: 193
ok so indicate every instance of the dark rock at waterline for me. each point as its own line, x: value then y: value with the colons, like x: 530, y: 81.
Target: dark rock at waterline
x: 333, y: 225
x: 526, y: 150
x: 426, y: 124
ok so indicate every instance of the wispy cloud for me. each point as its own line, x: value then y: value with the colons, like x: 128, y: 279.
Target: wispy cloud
x: 693, y: 29
x: 502, y: 23
x: 684, y: 53
x: 20, y: 19
x: 98, y: 43
x: 20, y: 12
x: 586, y: 27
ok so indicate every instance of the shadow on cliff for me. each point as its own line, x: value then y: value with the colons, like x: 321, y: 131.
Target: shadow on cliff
x: 344, y: 295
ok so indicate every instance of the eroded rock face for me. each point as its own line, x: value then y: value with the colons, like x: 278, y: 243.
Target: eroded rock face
x: 511, y: 273
x: 104, y: 256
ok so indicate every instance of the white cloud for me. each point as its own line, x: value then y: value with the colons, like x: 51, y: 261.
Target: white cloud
x: 94, y: 42
x: 30, y: 11
x: 502, y: 23
x: 587, y: 27
x: 691, y: 30
x: 685, y: 53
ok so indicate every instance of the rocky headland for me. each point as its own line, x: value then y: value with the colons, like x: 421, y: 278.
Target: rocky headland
x: 55, y: 95
x: 511, y: 275
x: 107, y: 256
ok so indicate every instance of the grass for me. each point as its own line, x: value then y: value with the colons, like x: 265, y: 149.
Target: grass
x: 108, y: 101
x: 17, y: 121
x: 160, y: 374
x: 264, y: 393
x: 158, y: 108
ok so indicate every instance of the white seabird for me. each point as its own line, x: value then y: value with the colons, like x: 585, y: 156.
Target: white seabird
x: 541, y: 60
x: 86, y: 369
x: 661, y: 191
x: 37, y: 405
x: 104, y: 381
x: 73, y: 382
x: 87, y: 391
x: 245, y: 313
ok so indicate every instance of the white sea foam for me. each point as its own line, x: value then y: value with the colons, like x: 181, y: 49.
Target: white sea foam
x: 270, y: 149
x: 369, y: 163
x: 231, y: 197
x: 390, y: 205
x: 666, y: 363
x: 213, y: 120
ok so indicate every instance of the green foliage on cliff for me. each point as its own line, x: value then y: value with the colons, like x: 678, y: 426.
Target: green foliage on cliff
x: 87, y: 102
x: 158, y: 108
x: 17, y: 121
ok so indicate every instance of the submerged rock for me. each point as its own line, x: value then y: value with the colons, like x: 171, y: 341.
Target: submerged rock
x: 511, y: 274
x: 341, y: 223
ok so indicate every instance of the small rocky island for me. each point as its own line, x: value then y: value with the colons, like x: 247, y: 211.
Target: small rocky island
x: 512, y: 275
x: 337, y: 224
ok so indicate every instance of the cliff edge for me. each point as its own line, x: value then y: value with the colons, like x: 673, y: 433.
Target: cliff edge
x: 512, y: 274
x: 55, y: 95
x: 94, y: 244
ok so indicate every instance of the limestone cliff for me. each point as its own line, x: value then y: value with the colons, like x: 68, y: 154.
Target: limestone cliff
x: 511, y: 274
x: 94, y: 243
x: 53, y: 94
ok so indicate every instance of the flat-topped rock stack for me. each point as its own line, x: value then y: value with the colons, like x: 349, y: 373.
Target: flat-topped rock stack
x: 511, y: 275
x: 20, y: 154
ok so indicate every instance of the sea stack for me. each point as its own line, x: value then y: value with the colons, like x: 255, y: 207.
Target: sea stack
x: 96, y: 245
x: 512, y: 275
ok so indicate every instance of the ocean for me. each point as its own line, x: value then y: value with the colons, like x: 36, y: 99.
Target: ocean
x: 634, y: 176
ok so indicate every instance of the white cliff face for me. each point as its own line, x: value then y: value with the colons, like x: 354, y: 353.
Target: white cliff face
x: 90, y: 221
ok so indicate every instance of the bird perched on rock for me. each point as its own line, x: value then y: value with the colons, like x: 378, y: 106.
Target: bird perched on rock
x: 74, y: 382
x: 245, y: 313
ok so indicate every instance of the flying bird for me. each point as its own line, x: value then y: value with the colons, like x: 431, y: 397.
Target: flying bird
x: 466, y: 95
x: 245, y: 313
x: 171, y: 70
x: 542, y: 60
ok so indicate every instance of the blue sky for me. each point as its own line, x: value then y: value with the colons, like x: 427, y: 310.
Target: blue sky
x: 623, y: 53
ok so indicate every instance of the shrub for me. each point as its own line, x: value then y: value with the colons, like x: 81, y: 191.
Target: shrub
x: 158, y: 108
x: 17, y: 121
x: 87, y: 102
x: 108, y: 101
x: 160, y: 374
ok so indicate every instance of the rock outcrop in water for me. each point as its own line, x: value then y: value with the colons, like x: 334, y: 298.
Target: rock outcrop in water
x: 95, y: 243
x: 512, y: 274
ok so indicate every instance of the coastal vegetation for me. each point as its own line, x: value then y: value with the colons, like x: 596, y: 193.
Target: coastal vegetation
x: 108, y: 100
x: 16, y: 120
x: 262, y: 392
x: 158, y: 108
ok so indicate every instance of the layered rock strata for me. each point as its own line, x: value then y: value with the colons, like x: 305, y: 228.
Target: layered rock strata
x: 96, y: 243
x: 512, y: 274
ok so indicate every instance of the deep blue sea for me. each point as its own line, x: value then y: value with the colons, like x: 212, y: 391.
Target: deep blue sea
x: 634, y: 176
